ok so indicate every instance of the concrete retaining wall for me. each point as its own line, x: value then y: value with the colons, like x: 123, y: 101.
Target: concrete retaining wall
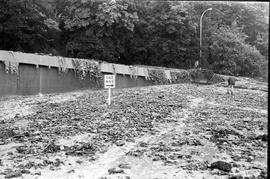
x: 32, y: 80
x: 44, y: 74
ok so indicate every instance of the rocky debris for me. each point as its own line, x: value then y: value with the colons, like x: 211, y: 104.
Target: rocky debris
x: 135, y: 153
x: 262, y: 137
x: 194, y: 165
x: 161, y: 96
x: 24, y: 171
x: 120, y: 143
x: 71, y: 171
x: 81, y: 149
x: 13, y: 174
x: 8, y: 132
x: 37, y: 173
x: 221, y: 165
x: 124, y: 166
x: 115, y: 171
x: 28, y: 165
x: 218, y: 172
x: 26, y: 150
x: 227, y: 124
x: 102, y: 178
x: 235, y: 176
x: 143, y: 144
x: 263, y: 174
x: 51, y: 148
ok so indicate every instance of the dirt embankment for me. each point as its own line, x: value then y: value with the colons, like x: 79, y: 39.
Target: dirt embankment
x: 171, y: 131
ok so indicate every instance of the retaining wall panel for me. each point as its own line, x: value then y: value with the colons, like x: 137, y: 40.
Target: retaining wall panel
x: 8, y: 82
x: 29, y: 80
x: 53, y: 81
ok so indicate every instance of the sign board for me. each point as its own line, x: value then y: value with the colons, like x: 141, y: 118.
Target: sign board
x: 109, y: 81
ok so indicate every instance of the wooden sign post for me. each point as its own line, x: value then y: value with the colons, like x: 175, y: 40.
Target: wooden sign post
x: 109, y: 82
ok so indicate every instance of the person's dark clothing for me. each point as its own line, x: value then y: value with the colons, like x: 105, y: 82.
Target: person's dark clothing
x: 231, y: 81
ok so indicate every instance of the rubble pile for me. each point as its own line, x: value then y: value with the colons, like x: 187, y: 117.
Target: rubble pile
x: 186, y: 127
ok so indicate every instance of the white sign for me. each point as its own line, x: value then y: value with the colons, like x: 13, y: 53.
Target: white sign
x: 109, y: 81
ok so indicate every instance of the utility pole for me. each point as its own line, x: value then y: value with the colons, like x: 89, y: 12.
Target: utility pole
x: 209, y: 9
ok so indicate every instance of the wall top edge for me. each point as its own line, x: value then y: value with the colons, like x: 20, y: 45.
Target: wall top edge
x: 52, y: 61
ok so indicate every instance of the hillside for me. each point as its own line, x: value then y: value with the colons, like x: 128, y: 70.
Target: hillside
x: 169, y: 131
x: 234, y: 38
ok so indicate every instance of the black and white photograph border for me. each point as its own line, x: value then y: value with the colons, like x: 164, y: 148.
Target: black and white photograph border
x: 133, y: 89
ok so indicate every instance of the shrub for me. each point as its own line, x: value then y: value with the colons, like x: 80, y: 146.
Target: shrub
x: 158, y: 76
x: 180, y: 76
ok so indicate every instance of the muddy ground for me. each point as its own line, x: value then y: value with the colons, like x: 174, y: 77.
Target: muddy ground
x: 170, y: 131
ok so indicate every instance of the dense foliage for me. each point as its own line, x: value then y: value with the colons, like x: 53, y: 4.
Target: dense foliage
x: 235, y: 34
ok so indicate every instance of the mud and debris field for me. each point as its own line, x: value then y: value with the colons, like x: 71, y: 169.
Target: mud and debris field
x: 170, y: 131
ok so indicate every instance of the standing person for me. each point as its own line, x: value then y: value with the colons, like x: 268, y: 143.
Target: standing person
x: 196, y: 64
x: 231, y: 84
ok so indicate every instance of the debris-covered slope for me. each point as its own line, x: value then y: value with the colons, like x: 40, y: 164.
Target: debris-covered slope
x: 170, y: 131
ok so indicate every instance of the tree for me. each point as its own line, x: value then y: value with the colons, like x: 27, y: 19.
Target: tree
x: 22, y: 27
x: 159, y: 33
x: 164, y: 36
x: 96, y: 29
x: 232, y: 55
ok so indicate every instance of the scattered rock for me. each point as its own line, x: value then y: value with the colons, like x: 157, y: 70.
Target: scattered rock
x: 235, y: 170
x: 221, y: 165
x: 51, y: 148
x: 102, y: 178
x: 124, y: 165
x: 250, y: 159
x: 143, y: 144
x: 75, y: 119
x: 136, y: 153
x: 235, y: 176
x: 29, y: 165
x: 21, y: 149
x: 71, y: 171
x: 160, y: 96
x: 14, y: 174
x: 114, y: 171
x: 120, y: 143
x: 82, y: 149
x: 215, y: 172
x: 138, y: 117
x: 57, y: 162
x: 263, y: 174
x: 24, y: 171
x: 37, y: 173
x: 79, y: 161
x: 262, y: 137
x: 156, y: 159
